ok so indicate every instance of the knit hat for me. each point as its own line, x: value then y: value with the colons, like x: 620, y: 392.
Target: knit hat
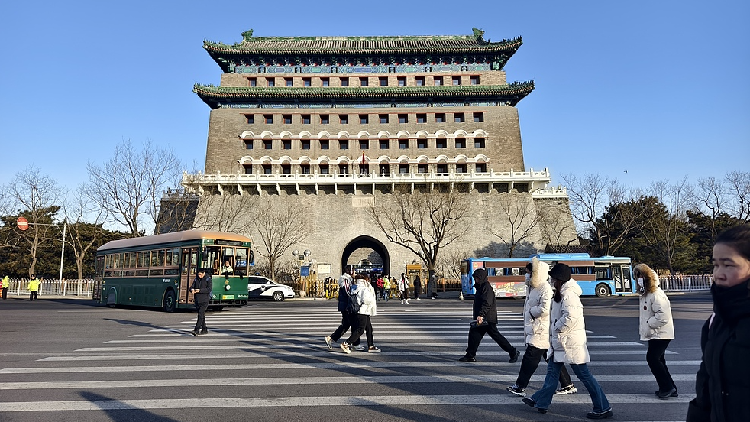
x: 560, y: 272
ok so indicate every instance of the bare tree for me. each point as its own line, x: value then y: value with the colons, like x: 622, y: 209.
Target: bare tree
x: 739, y: 186
x: 130, y: 184
x: 83, y: 235
x: 554, y: 229
x: 36, y: 197
x: 225, y: 213
x: 516, y: 221
x: 280, y: 226
x: 670, y: 234
x: 423, y: 222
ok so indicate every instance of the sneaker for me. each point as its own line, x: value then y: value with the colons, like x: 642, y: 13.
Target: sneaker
x: 514, y: 389
x: 345, y: 347
x: 419, y: 299
x: 194, y: 333
x: 373, y: 349
x: 328, y: 342
x: 203, y: 332
x: 467, y: 359
x: 529, y: 402
x: 514, y: 357
x: 663, y: 395
x: 604, y: 414
x: 407, y: 301
x: 674, y: 394
x: 359, y: 348
x: 568, y: 389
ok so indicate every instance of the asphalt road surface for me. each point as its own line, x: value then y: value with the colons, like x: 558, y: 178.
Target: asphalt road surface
x: 72, y: 360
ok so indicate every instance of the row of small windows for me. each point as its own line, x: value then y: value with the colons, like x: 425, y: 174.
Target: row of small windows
x: 366, y: 81
x: 364, y: 169
x: 343, y: 144
x: 364, y: 119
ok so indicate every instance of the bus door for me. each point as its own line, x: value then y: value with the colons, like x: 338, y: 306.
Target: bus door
x: 627, y: 284
x: 187, y: 274
x: 618, y: 279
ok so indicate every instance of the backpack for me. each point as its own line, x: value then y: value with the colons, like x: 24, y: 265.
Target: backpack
x: 353, y: 305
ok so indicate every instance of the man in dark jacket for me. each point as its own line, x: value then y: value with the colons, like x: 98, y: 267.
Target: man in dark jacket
x: 201, y: 290
x: 485, y: 316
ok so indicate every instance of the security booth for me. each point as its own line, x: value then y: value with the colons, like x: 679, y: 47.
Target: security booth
x: 412, y: 271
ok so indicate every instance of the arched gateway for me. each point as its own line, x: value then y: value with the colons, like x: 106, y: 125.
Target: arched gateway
x: 367, y: 242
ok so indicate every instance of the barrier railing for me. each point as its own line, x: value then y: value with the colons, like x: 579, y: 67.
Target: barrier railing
x: 66, y: 287
x: 686, y: 283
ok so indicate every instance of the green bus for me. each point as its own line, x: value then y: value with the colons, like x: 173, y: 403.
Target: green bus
x: 157, y: 271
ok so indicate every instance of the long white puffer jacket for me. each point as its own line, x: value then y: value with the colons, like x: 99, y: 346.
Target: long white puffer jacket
x: 655, y: 311
x: 368, y: 304
x: 568, y: 330
x: 536, y: 310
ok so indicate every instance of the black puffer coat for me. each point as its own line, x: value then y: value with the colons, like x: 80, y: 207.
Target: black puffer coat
x: 723, y: 381
x: 484, y: 298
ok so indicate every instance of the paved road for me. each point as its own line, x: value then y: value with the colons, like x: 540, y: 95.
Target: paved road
x: 69, y: 360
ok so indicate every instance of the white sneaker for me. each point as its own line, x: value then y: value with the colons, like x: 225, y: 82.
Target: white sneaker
x: 419, y: 299
x: 345, y: 347
x: 359, y: 348
x: 328, y: 342
x: 407, y: 301
x: 570, y: 389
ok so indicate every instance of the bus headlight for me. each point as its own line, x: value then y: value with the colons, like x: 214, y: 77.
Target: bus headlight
x: 227, y: 287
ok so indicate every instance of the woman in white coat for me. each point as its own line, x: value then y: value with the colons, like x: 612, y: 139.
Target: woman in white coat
x: 656, y: 327
x: 536, y: 311
x: 568, y: 339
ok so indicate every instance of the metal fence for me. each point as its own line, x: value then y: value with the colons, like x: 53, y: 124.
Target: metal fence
x: 686, y: 283
x: 77, y: 287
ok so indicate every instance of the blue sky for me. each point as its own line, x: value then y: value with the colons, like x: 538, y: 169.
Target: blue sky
x: 658, y: 88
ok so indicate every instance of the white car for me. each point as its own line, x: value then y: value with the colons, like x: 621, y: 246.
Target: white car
x: 264, y: 288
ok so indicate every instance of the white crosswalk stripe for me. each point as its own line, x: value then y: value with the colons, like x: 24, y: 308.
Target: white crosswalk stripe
x: 270, y: 341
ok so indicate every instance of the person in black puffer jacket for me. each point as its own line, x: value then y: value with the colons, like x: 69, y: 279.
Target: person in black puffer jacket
x: 485, y: 317
x: 723, y: 383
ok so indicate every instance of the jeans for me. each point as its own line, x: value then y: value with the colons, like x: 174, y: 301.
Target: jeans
x: 476, y: 333
x: 530, y: 362
x: 657, y: 364
x: 543, y: 397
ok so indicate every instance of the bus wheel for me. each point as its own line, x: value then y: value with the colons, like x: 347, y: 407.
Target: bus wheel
x: 170, y: 304
x: 602, y: 290
x: 278, y: 296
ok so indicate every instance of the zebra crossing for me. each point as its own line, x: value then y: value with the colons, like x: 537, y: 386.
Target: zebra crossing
x: 273, y: 357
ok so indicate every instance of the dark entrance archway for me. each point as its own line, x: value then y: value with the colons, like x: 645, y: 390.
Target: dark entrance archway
x: 368, y: 243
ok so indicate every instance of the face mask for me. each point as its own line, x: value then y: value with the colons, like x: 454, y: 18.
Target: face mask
x: 528, y: 278
x: 640, y: 283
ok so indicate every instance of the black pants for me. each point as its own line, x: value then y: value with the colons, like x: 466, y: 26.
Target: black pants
x: 363, y: 324
x: 530, y: 362
x: 346, y: 322
x: 200, y: 324
x: 655, y: 359
x: 5, y: 293
x: 34, y: 295
x: 476, y: 333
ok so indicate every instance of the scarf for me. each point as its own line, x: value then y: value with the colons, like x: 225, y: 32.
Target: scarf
x: 732, y: 303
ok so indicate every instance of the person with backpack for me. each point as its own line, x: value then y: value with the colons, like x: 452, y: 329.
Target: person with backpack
x: 403, y: 289
x: 345, y: 307
x: 362, y: 298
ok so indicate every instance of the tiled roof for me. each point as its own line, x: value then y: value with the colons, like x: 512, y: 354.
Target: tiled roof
x: 364, y: 45
x: 211, y: 94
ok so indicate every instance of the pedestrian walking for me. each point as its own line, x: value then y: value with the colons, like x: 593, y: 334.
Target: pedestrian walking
x: 485, y: 320
x: 34, y: 287
x: 403, y: 289
x: 723, y: 383
x: 386, y: 288
x: 381, y: 286
x: 346, y: 307
x: 432, y: 286
x: 536, y: 313
x: 5, y: 285
x: 655, y: 326
x: 201, y: 289
x: 417, y: 287
x: 363, y: 296
x: 568, y: 340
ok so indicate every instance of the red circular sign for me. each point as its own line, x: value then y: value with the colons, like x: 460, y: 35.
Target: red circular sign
x: 22, y: 223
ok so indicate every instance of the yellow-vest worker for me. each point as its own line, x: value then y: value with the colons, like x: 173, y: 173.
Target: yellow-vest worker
x: 6, y: 282
x: 34, y: 285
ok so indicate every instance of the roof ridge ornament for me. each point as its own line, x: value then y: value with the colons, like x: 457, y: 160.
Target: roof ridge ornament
x: 247, y: 35
x: 478, y: 34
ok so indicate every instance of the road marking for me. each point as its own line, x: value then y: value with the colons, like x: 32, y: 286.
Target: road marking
x: 378, y: 400
x: 336, y: 379
x: 228, y: 338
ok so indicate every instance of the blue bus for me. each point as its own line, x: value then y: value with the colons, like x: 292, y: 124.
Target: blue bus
x: 603, y: 276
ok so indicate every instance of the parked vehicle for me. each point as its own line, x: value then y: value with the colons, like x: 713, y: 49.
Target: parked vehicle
x: 264, y: 288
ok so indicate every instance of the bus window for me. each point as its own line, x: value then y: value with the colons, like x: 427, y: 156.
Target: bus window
x: 626, y: 277
x: 491, y: 272
x: 227, y: 255
x: 602, y: 273
x: 210, y: 258
x: 240, y: 264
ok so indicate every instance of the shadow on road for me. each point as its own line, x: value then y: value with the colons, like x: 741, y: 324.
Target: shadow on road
x: 122, y: 412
